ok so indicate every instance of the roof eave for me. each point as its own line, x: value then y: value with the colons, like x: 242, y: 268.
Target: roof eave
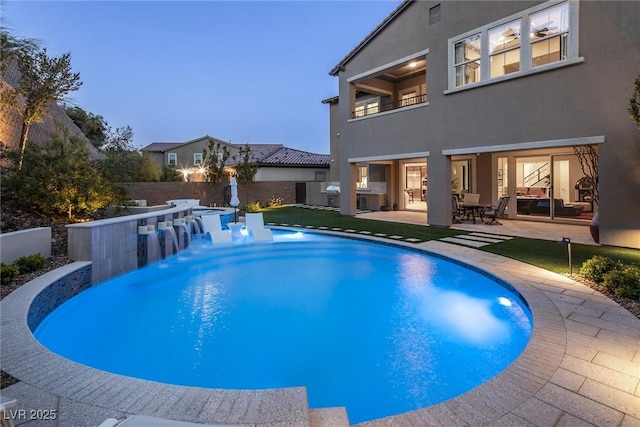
x: 340, y: 66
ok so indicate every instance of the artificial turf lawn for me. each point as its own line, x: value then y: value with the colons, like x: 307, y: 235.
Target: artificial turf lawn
x: 546, y: 254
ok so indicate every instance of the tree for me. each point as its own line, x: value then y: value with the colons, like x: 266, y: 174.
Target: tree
x: 588, y: 159
x: 12, y: 46
x: 215, y: 158
x: 246, y: 169
x: 93, y: 126
x: 170, y: 174
x: 122, y: 160
x: 634, y: 103
x: 148, y: 170
x: 59, y: 177
x: 43, y: 80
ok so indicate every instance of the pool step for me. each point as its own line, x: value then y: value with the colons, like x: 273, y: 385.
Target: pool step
x: 328, y: 417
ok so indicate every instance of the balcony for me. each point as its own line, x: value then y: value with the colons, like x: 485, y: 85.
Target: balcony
x: 377, y: 107
x: 403, y: 84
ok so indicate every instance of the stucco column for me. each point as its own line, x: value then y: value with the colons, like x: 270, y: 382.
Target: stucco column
x: 348, y: 178
x: 512, y: 212
x: 439, y: 191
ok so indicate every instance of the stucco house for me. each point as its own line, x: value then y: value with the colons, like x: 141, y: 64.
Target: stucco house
x: 447, y: 97
x: 275, y: 162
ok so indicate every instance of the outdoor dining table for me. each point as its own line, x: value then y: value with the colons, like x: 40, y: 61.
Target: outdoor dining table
x: 473, y: 211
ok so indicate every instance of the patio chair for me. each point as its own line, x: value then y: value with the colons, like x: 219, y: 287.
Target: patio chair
x: 471, y: 205
x: 6, y: 405
x: 471, y: 199
x: 213, y: 227
x: 496, y: 212
x: 255, y: 224
x: 455, y: 210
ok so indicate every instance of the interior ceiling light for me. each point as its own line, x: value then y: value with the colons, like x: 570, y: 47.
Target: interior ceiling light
x: 413, y: 64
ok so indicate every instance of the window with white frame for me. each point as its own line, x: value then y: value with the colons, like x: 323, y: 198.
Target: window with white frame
x: 504, y: 48
x: 408, y: 97
x: 172, y: 159
x: 549, y: 35
x: 366, y: 107
x: 467, y: 60
x: 197, y: 158
x: 536, y: 39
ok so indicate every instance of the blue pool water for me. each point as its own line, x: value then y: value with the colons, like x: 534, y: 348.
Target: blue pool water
x: 378, y: 329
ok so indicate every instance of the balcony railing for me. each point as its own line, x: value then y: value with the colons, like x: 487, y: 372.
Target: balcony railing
x: 388, y: 106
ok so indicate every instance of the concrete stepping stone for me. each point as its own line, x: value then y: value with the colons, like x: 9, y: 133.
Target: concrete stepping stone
x: 465, y: 242
x: 491, y: 236
x: 479, y: 239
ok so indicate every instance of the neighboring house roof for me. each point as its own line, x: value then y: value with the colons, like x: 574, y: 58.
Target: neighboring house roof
x: 162, y: 147
x: 259, y: 152
x: 340, y: 66
x: 292, y: 157
x: 263, y: 154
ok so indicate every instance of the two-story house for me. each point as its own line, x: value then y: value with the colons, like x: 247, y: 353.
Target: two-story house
x: 274, y: 162
x: 491, y: 97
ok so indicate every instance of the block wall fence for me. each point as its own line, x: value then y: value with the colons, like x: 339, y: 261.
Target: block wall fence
x: 210, y: 193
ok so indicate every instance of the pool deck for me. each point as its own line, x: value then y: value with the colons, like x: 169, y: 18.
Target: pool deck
x: 581, y: 366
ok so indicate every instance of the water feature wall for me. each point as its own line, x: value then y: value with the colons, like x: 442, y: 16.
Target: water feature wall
x: 121, y: 244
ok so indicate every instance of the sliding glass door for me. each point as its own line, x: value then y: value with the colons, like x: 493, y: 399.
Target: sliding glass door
x: 546, y: 186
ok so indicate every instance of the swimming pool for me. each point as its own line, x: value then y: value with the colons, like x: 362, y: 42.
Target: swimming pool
x: 378, y: 329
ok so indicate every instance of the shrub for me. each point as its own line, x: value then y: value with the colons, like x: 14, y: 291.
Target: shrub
x: 625, y: 281
x: 253, y: 207
x: 29, y: 263
x: 274, y: 202
x: 8, y: 273
x: 596, y: 267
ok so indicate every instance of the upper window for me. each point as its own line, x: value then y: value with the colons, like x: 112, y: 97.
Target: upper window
x: 172, y: 159
x: 409, y: 97
x: 197, y: 158
x: 504, y: 48
x: 536, y: 39
x: 467, y: 60
x: 366, y: 107
x: 549, y: 35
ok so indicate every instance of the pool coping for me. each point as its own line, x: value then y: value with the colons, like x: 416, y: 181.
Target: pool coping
x: 536, y: 388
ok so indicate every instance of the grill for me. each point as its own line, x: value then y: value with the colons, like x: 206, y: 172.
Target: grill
x: 333, y: 193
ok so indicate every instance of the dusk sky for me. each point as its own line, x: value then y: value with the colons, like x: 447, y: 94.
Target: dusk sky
x: 241, y: 71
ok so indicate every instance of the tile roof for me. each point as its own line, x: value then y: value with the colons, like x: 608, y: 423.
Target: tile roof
x: 331, y: 100
x: 291, y: 157
x: 263, y: 154
x: 279, y: 155
x: 161, y: 147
